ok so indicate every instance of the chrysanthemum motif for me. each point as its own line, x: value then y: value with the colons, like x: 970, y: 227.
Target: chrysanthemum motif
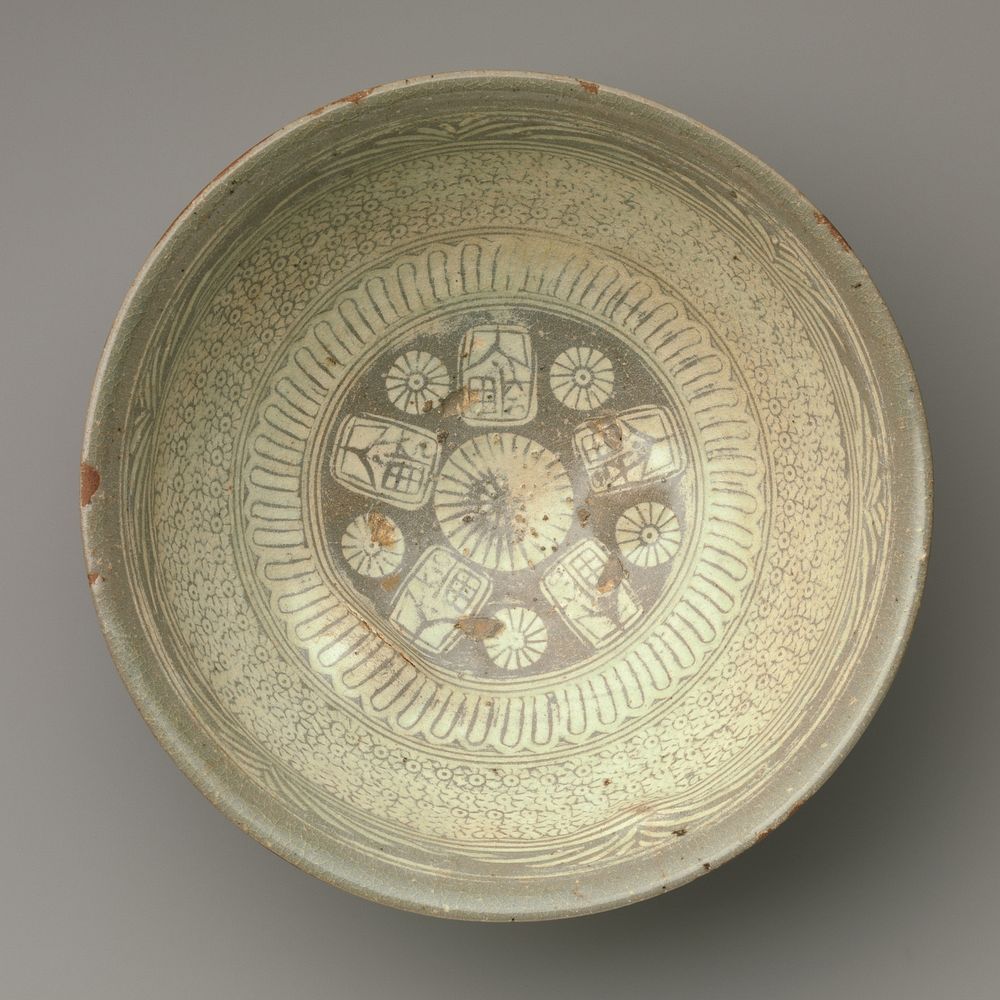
x: 648, y: 534
x: 416, y: 382
x: 504, y: 501
x: 372, y: 545
x: 520, y: 642
x: 582, y: 378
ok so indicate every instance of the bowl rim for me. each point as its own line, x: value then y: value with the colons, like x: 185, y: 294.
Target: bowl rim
x: 273, y: 826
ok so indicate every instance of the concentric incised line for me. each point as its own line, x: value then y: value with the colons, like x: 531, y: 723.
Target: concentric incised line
x: 570, y: 719
x: 635, y: 652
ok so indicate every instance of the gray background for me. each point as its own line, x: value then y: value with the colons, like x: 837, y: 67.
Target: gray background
x: 117, y: 879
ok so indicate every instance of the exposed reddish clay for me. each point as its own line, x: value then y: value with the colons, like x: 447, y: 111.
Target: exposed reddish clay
x: 93, y: 578
x: 357, y: 97
x: 795, y: 809
x: 591, y: 88
x: 791, y: 812
x: 479, y: 628
x: 608, y: 429
x: 383, y: 531
x: 612, y: 575
x: 458, y: 401
x: 90, y: 482
x: 824, y: 221
x: 223, y: 171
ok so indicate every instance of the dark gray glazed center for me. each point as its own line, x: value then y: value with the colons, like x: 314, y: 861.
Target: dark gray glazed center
x: 504, y: 491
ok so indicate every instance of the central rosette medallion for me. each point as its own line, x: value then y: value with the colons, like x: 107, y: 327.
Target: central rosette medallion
x: 504, y: 501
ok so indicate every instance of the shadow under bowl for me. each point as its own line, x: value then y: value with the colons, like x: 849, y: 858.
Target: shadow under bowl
x: 503, y: 496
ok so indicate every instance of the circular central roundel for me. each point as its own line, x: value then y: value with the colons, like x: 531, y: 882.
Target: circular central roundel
x: 504, y: 501
x: 506, y: 492
x: 509, y: 505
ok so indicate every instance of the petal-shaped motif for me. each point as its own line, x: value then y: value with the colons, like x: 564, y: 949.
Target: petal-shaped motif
x: 582, y: 378
x: 373, y: 545
x: 648, y: 534
x: 416, y: 382
x: 504, y: 501
x: 520, y: 642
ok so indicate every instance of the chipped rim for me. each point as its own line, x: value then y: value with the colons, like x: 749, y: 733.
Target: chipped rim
x: 264, y: 817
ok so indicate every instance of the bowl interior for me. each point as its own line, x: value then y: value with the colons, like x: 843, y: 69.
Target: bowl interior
x: 512, y: 496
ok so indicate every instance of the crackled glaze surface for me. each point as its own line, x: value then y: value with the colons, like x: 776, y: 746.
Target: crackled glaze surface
x: 508, y: 497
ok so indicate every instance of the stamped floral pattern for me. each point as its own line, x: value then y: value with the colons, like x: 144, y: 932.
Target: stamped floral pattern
x: 513, y: 496
x: 373, y: 545
x: 582, y: 378
x: 504, y: 501
x: 815, y: 500
x: 416, y: 382
x: 520, y: 639
x: 648, y: 534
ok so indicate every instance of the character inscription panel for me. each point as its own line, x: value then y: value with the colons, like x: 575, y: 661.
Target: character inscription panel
x: 516, y: 506
x: 276, y: 608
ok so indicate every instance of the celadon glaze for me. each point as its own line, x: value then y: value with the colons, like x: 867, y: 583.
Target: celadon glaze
x: 504, y: 497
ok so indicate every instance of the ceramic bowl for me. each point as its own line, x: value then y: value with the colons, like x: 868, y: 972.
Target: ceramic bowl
x: 503, y: 496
